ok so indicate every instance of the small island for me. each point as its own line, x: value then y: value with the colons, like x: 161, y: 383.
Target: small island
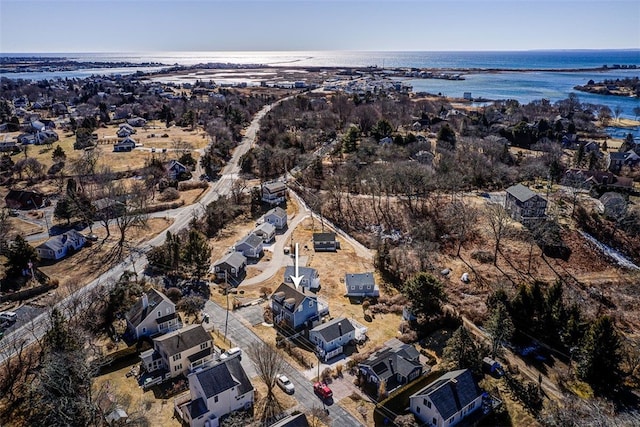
x: 629, y: 86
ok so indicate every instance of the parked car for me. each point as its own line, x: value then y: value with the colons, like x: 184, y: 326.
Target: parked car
x: 9, y: 316
x: 92, y: 237
x: 232, y: 352
x: 322, y: 390
x: 285, y: 384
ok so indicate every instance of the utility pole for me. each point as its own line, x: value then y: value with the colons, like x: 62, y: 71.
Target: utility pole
x: 226, y: 290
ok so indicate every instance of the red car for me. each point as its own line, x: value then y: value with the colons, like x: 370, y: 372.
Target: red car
x: 322, y: 390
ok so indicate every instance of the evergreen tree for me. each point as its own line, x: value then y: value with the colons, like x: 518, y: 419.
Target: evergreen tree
x: 461, y: 351
x: 19, y: 256
x: 350, y: 140
x: 500, y: 327
x: 426, y: 294
x: 58, y: 155
x: 196, y: 253
x: 65, y: 209
x: 600, y: 356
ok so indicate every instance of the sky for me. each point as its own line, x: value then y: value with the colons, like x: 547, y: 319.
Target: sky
x: 315, y: 25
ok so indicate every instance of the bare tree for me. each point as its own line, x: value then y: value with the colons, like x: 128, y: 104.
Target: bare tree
x: 237, y: 190
x: 134, y: 212
x: 269, y: 363
x: 318, y: 417
x: 499, y: 226
x: 181, y: 146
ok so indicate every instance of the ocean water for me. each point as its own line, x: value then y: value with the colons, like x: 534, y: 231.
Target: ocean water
x: 535, y: 83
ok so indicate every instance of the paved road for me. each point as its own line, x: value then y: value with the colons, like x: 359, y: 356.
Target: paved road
x: 242, y: 336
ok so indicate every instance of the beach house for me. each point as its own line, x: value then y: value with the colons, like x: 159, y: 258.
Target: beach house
x: 152, y: 314
x: 524, y: 205
x: 294, y: 309
x: 58, y: 247
x: 274, y: 192
x: 361, y: 285
x: 395, y: 366
x: 310, y: 276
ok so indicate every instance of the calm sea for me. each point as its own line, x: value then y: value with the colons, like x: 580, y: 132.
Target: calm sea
x: 534, y: 84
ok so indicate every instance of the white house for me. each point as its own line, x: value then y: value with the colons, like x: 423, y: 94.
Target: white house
x: 153, y: 313
x: 126, y: 144
x: 215, y: 391
x: 266, y: 231
x: 448, y: 400
x: 310, y: 276
x: 274, y: 193
x: 361, y: 285
x: 59, y: 246
x: 179, y: 352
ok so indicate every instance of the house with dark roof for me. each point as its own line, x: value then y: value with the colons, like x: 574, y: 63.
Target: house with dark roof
x: 175, y: 169
x: 274, y: 192
x: 615, y: 160
x: 59, y: 246
x: 21, y: 199
x: 230, y: 268
x: 331, y: 337
x: 152, y: 314
x: 136, y: 122
x: 524, y: 205
x: 361, y: 285
x: 594, y: 179
x: 266, y: 231
x: 448, y: 400
x: 250, y: 246
x: 310, y: 276
x: 293, y: 420
x: 125, y: 130
x: 216, y: 391
x: 276, y: 217
x: 395, y: 366
x: 296, y: 309
x: 126, y: 144
x: 178, y: 352
x: 325, y: 242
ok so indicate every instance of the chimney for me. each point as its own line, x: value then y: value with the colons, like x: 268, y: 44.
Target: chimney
x: 179, y: 336
x: 391, y: 365
x: 340, y: 328
x: 145, y: 301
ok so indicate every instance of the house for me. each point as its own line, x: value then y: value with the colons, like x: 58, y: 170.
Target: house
x: 250, y: 246
x: 615, y: 161
x: 137, y: 122
x: 590, y: 179
x: 330, y: 338
x: 387, y: 140
x: 175, y: 169
x: 310, y: 276
x: 59, y: 109
x: 277, y: 217
x: 26, y: 138
x: 45, y: 137
x: 126, y: 144
x: 424, y: 157
x: 36, y: 126
x: 216, y: 391
x: 361, y: 285
x: 274, y: 193
x: 230, y: 268
x: 107, y: 208
x: 294, y: 420
x: 152, y: 314
x: 524, y: 205
x: 178, y: 352
x: 325, y: 242
x: 125, y: 131
x: 59, y: 246
x: 294, y: 309
x: 396, y: 366
x: 448, y: 400
x: 20, y: 199
x: 10, y: 147
x: 266, y: 231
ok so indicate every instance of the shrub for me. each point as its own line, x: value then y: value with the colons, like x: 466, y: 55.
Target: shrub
x: 484, y: 257
x: 169, y: 194
x: 190, y: 185
x: 409, y: 337
x: 174, y: 294
x: 326, y: 375
x: 339, y: 370
x: 355, y: 396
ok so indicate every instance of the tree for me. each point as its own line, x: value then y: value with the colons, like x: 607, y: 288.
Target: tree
x: 604, y: 115
x: 447, y: 138
x: 5, y: 229
x: 382, y: 129
x: 191, y: 306
x: 350, y: 139
x: 134, y: 211
x: 269, y: 363
x: 20, y: 255
x: 197, y: 253
x: 64, y: 209
x: 600, y: 357
x: 461, y: 351
x: 636, y: 112
x: 58, y: 155
x: 617, y: 111
x: 426, y: 294
x: 500, y: 327
x: 498, y: 226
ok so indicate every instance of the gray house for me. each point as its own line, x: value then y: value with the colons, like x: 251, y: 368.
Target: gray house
x: 330, y: 338
x: 325, y: 242
x: 448, y: 400
x: 310, y: 276
x: 361, y: 285
x: 294, y: 310
x: 524, y: 205
x: 277, y: 217
x: 126, y: 144
x: 395, y: 366
x: 274, y: 193
x: 266, y: 231
x: 250, y: 246
x: 231, y: 268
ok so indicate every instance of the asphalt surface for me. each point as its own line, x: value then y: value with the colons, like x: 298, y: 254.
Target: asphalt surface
x: 242, y: 336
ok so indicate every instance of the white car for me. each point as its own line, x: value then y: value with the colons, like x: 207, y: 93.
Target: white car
x: 232, y: 352
x: 285, y: 384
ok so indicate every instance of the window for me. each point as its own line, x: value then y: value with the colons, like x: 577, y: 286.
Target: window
x: 144, y: 330
x: 177, y: 356
x: 418, y: 409
x: 310, y: 303
x: 435, y: 422
x: 215, y: 399
x: 360, y: 287
x: 204, y: 345
x: 427, y: 403
x: 159, y: 314
x: 177, y: 367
